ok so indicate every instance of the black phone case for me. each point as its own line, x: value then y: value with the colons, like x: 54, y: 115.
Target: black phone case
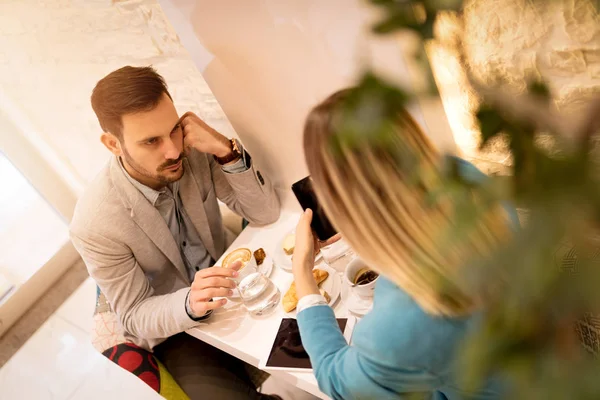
x: 304, y: 192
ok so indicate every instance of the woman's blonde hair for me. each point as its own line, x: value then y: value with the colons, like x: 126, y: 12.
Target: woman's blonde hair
x: 381, y: 203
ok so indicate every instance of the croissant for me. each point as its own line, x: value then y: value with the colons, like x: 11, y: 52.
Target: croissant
x: 290, y: 300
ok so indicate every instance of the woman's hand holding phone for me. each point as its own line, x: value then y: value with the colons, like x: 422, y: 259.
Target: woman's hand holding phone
x: 304, y: 256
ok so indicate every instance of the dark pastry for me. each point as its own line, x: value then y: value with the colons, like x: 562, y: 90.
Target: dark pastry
x: 260, y: 256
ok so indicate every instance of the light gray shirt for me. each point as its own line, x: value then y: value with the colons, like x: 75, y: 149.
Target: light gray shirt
x: 168, y: 203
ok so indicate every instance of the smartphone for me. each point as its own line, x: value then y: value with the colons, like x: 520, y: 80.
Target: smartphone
x: 304, y: 192
x: 287, y: 352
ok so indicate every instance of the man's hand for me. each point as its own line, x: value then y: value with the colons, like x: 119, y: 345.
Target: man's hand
x: 197, y: 134
x: 209, y: 283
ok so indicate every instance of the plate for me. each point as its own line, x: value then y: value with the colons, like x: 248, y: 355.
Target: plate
x: 281, y: 259
x: 266, y: 268
x: 332, y: 285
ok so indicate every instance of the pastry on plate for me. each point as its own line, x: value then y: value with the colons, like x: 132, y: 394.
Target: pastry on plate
x: 290, y: 300
x: 260, y: 256
x: 289, y: 243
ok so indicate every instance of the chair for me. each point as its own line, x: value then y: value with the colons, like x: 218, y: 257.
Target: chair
x: 108, y: 340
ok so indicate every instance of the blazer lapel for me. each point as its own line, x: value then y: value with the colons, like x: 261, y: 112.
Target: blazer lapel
x: 152, y: 223
x: 194, y: 207
x: 147, y: 218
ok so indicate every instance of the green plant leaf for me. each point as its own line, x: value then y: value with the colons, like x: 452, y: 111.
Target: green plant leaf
x: 531, y: 301
x: 491, y: 123
x: 369, y: 113
x: 437, y: 5
x: 539, y: 88
x: 426, y: 28
x: 396, y: 20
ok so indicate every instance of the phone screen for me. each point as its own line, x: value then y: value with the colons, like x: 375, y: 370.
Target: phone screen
x: 287, y: 350
x: 307, y: 198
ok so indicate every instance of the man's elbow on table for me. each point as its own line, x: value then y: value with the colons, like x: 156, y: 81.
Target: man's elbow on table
x: 274, y: 211
x: 269, y: 213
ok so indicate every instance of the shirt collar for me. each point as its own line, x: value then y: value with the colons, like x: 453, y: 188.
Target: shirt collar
x: 150, y: 194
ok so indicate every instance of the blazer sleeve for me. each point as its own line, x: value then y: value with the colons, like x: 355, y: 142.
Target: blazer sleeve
x: 114, y: 268
x: 248, y: 193
x: 343, y: 372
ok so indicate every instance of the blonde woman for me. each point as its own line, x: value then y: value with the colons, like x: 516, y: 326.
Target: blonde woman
x: 408, y: 343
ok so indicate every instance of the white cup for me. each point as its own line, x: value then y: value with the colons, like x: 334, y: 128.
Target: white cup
x: 365, y: 291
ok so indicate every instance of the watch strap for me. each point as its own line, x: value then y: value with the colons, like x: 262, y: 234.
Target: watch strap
x: 235, y: 153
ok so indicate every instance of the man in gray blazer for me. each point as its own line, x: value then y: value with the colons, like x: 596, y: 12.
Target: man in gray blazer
x: 149, y: 227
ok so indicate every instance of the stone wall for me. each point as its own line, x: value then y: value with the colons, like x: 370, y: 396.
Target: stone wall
x: 514, y: 39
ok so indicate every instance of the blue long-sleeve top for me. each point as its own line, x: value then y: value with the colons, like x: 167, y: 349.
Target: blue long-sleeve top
x: 396, y: 349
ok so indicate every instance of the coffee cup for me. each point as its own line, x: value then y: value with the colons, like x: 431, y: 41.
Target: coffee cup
x: 360, y: 278
x: 246, y: 257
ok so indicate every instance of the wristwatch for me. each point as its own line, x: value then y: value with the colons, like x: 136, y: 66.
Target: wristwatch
x: 235, y: 153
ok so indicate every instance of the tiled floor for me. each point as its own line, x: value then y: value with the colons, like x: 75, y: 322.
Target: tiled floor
x: 58, y: 362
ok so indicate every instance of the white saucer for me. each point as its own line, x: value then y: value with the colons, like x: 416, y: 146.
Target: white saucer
x: 332, y: 285
x: 356, y: 304
x: 266, y: 268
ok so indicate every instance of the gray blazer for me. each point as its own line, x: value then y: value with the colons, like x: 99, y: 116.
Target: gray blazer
x: 131, y: 254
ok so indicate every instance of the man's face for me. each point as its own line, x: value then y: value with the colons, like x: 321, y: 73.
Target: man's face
x: 152, y: 145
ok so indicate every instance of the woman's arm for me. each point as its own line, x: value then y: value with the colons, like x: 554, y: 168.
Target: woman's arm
x: 340, y: 369
x: 344, y: 373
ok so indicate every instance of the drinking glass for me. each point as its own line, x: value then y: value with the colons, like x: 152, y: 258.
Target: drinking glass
x: 258, y: 292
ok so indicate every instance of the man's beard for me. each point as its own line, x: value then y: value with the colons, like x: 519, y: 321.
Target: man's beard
x: 157, y: 176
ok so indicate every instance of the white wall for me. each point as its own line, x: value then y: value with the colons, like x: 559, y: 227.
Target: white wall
x: 53, y: 52
x: 269, y: 61
x: 51, y: 55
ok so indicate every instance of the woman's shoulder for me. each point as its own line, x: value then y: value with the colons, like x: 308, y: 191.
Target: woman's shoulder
x: 392, y: 301
x: 398, y: 329
x: 470, y: 173
x: 467, y: 170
